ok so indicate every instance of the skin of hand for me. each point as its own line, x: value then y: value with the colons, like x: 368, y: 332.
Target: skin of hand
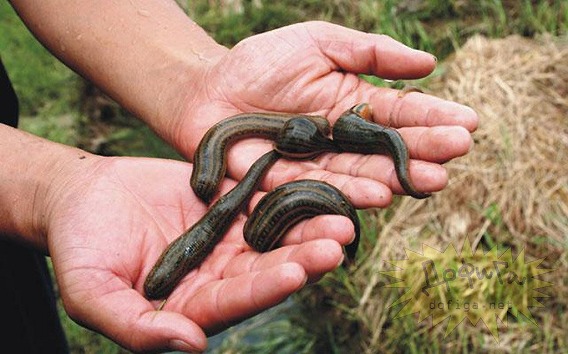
x: 105, y: 221
x: 313, y: 68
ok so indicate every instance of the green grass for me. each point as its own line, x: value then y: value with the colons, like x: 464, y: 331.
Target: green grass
x: 437, y: 26
x: 44, y: 85
x: 50, y: 96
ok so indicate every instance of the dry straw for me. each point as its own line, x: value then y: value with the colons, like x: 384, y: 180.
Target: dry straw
x: 512, y: 186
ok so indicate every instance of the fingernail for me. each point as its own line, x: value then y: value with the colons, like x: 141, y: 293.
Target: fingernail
x: 305, y: 281
x: 352, y: 238
x: 341, y: 260
x: 179, y: 345
x: 471, y: 145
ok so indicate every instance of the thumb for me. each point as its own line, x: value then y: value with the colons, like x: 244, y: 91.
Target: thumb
x: 130, y: 320
x: 366, y: 53
x: 165, y: 330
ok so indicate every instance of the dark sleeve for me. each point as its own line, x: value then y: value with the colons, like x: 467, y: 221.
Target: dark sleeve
x: 8, y: 100
x: 29, y: 315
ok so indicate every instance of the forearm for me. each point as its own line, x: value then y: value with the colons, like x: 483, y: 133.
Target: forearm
x: 33, y: 171
x: 147, y: 55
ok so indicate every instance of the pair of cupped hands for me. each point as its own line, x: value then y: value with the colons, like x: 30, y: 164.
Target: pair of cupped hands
x: 113, y: 216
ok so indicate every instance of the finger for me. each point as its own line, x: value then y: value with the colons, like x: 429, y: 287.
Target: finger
x: 364, y: 193
x: 437, y: 144
x: 335, y: 227
x: 129, y: 319
x: 223, y: 303
x: 317, y: 257
x: 426, y: 177
x: 377, y: 178
x: 391, y: 108
x: 365, y: 53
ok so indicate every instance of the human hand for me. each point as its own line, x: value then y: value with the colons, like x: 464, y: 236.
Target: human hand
x: 313, y: 68
x: 112, y: 217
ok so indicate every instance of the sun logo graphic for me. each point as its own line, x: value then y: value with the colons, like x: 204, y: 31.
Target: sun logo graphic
x: 471, y: 284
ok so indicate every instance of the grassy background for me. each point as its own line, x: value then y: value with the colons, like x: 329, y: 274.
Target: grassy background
x: 59, y: 105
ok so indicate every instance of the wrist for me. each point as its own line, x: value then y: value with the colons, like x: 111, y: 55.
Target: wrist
x: 34, y: 177
x: 183, y: 93
x: 149, y: 56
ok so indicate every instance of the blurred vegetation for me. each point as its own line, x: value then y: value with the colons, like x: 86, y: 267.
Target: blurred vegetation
x: 436, y: 26
x: 61, y: 106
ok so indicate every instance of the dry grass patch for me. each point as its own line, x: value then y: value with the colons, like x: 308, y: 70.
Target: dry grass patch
x: 510, y: 191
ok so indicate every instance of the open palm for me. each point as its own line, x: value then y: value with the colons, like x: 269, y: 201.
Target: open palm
x: 313, y: 68
x: 113, y: 222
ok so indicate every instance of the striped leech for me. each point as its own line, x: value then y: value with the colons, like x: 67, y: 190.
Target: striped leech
x: 285, y: 206
x: 210, y: 162
x: 190, y: 249
x: 354, y: 132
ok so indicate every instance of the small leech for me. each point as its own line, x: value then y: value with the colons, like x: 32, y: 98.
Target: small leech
x: 285, y: 206
x: 401, y: 93
x: 355, y: 132
x: 407, y: 89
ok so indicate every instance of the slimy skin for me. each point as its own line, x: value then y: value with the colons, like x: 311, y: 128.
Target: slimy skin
x: 354, y: 132
x: 303, y: 139
x: 210, y: 159
x: 193, y: 246
x: 285, y: 206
